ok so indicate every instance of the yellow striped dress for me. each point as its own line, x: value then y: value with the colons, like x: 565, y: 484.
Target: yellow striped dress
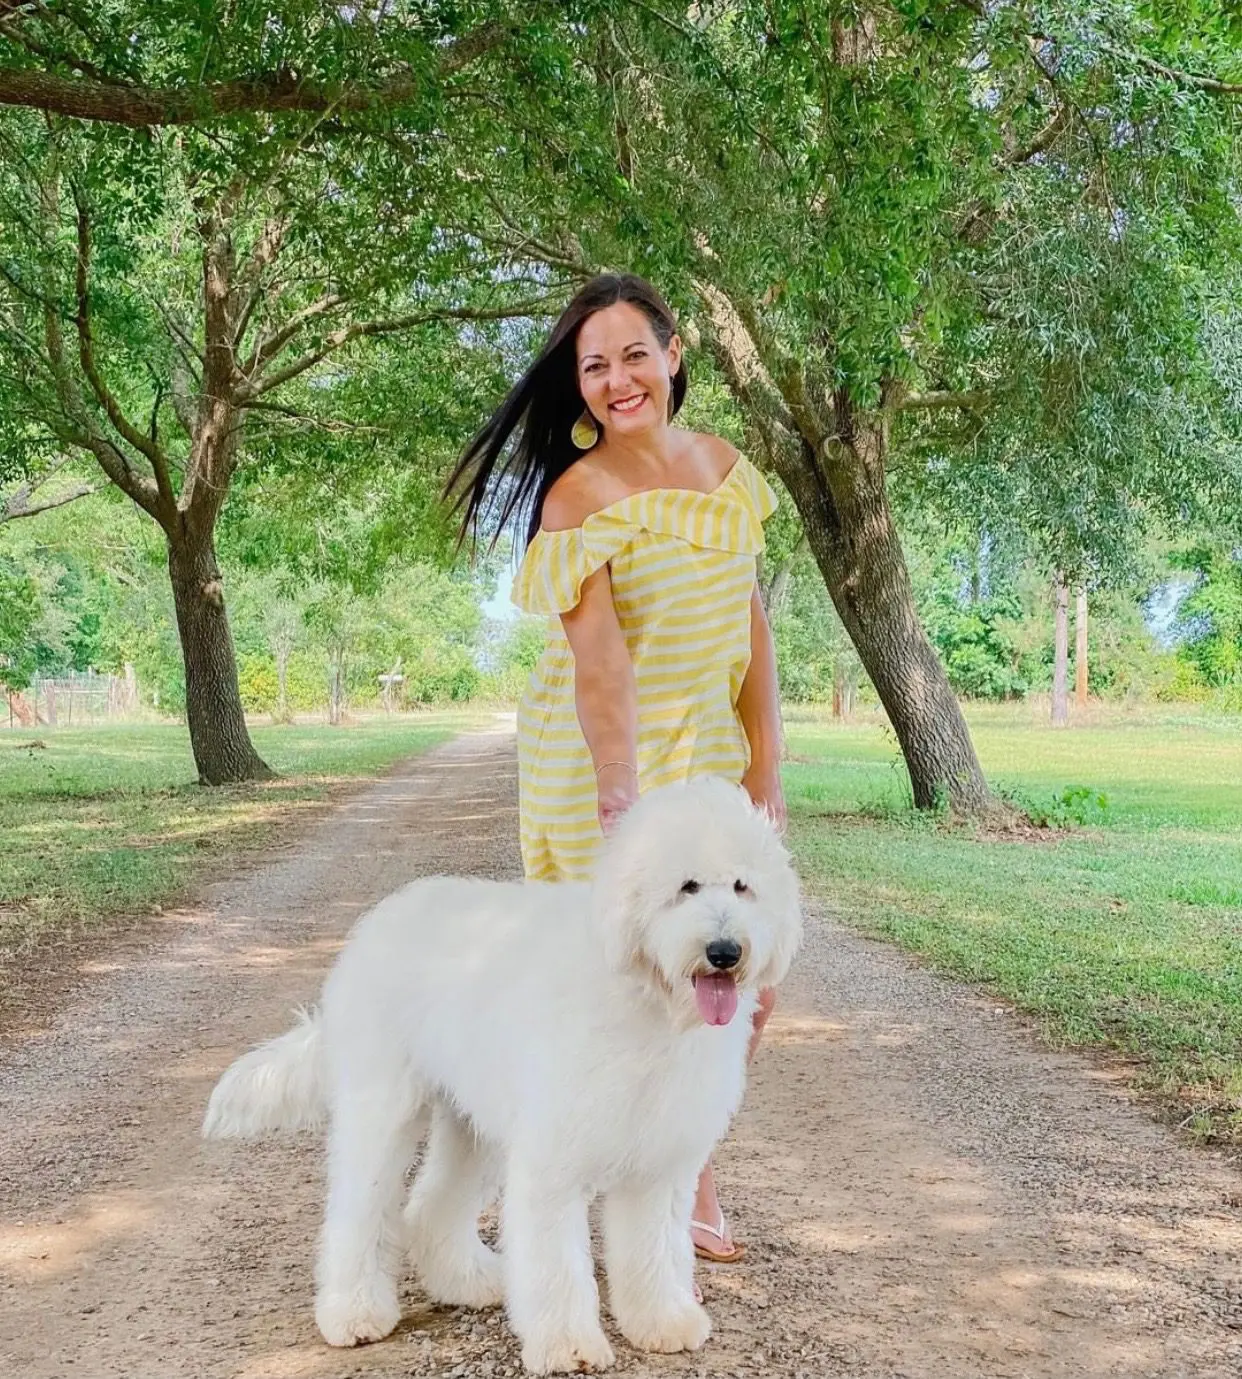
x: 683, y: 569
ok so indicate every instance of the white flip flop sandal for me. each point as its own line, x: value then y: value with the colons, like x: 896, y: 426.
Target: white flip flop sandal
x: 716, y: 1256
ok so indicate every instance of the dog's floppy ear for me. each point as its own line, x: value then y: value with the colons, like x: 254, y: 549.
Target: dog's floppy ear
x: 781, y: 897
x: 786, y: 937
x: 618, y: 902
x: 616, y: 911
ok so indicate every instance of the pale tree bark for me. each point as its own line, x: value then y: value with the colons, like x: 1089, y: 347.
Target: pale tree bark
x: 1060, y: 657
x: 774, y: 588
x: 1081, y: 651
x: 336, y: 689
x: 842, y: 690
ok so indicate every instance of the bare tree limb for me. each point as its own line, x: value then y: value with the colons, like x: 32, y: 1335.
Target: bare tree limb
x: 1044, y: 140
x: 281, y: 92
x: 21, y: 288
x: 337, y: 338
x: 738, y: 356
x: 183, y: 398
x: 214, y: 433
x: 332, y: 425
x: 186, y: 347
x: 1175, y: 75
x: 19, y: 504
x: 942, y: 399
x: 15, y: 35
x: 785, y: 372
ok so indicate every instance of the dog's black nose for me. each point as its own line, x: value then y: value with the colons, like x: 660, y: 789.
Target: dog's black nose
x: 724, y: 953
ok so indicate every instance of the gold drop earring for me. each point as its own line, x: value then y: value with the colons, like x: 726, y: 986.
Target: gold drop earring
x: 584, y: 432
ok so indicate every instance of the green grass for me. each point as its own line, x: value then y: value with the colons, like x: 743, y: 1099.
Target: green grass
x: 104, y: 821
x: 1122, y: 929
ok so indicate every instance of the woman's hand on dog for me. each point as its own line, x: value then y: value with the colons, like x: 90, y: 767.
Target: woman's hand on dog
x: 763, y: 784
x: 616, y: 790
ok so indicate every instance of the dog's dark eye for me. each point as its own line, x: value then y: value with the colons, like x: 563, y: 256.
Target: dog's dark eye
x: 690, y: 888
x: 741, y: 888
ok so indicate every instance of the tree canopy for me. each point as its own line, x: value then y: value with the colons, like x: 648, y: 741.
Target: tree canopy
x: 975, y: 256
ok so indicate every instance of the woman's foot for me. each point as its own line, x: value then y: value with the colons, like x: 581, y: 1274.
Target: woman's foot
x: 715, y: 1243
x: 709, y: 1230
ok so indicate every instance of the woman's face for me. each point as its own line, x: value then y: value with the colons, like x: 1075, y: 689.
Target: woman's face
x: 624, y: 373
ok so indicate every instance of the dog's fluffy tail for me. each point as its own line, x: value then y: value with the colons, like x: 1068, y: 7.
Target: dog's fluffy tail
x: 277, y: 1086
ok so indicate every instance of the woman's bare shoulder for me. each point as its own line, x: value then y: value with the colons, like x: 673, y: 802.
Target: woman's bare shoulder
x: 572, y: 498
x: 714, y: 453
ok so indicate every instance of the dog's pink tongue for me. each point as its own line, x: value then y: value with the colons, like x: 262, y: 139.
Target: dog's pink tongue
x: 716, y: 996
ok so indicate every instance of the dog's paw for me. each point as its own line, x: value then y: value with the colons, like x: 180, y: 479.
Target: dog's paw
x: 683, y: 1328
x: 354, y: 1318
x: 476, y: 1282
x: 567, y: 1354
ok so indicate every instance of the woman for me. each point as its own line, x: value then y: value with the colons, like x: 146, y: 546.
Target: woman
x: 641, y: 548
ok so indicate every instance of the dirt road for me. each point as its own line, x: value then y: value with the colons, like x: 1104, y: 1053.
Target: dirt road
x: 925, y: 1193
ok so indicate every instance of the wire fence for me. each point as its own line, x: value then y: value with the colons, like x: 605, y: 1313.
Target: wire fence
x: 79, y: 697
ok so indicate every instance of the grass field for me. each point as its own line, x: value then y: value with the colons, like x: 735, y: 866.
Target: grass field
x: 104, y: 821
x: 1122, y: 929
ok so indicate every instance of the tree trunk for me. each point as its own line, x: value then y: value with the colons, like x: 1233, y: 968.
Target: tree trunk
x: 778, y: 591
x: 1060, y: 660
x: 24, y: 713
x: 832, y: 463
x: 220, y: 741
x: 857, y: 548
x: 1080, y: 651
x: 336, y: 691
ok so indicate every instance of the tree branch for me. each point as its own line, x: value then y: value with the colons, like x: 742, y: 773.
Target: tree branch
x: 18, y: 503
x: 266, y: 248
x: 17, y: 506
x: 35, y: 48
x: 268, y: 348
x: 274, y: 93
x: 337, y: 338
x: 1175, y: 75
x: 182, y: 398
x: 942, y: 399
x: 738, y: 357
x: 214, y: 434
x: 786, y: 374
x: 82, y: 433
x: 1044, y: 140
x: 145, y: 445
x: 331, y: 425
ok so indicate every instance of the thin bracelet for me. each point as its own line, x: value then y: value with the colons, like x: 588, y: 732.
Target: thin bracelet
x: 607, y: 764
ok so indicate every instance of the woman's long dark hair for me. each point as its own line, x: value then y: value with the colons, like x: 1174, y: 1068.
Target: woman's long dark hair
x: 540, y: 411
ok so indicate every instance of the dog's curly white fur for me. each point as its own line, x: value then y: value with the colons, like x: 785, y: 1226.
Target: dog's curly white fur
x: 564, y: 1040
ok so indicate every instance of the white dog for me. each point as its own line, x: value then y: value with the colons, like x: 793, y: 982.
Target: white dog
x: 566, y: 1040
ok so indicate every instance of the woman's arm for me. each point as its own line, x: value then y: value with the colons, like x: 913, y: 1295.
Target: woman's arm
x: 758, y: 706
x: 606, y: 695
